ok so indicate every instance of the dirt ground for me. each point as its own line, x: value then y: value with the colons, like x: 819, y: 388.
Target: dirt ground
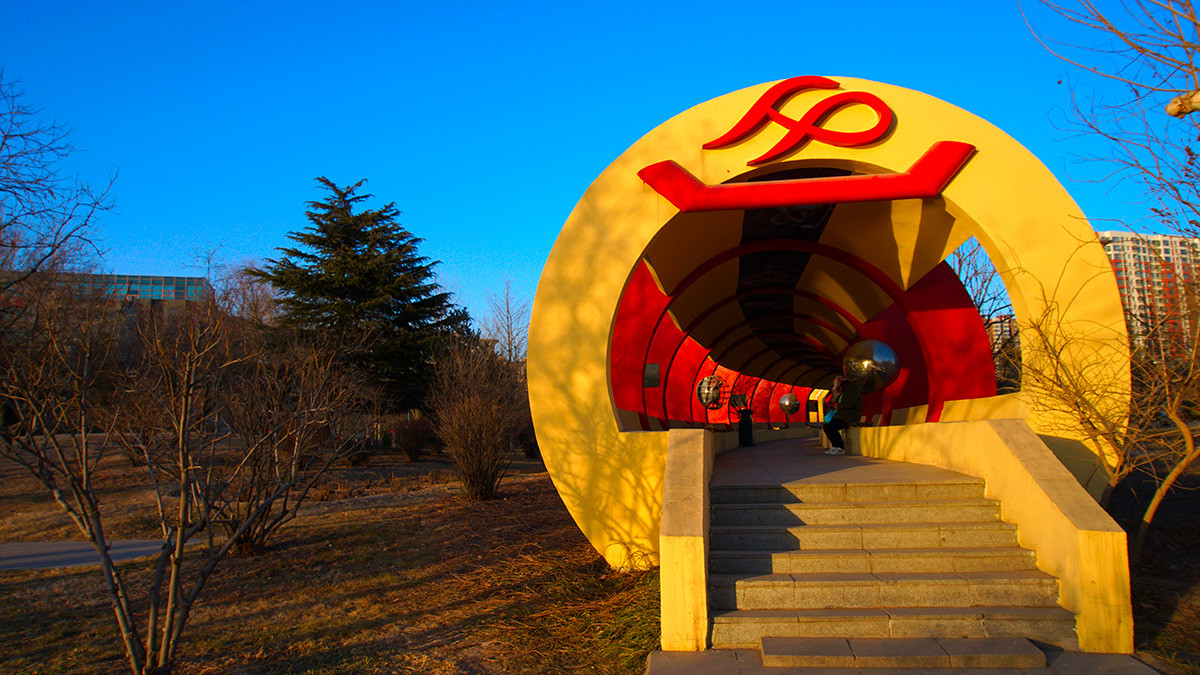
x: 28, y: 512
x: 389, y: 571
x: 1166, y: 584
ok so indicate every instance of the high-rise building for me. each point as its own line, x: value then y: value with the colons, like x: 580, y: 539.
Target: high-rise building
x: 1154, y: 273
x: 1001, y: 330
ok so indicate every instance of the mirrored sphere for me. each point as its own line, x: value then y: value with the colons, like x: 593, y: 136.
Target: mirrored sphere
x: 789, y: 404
x: 873, y: 363
x: 709, y: 392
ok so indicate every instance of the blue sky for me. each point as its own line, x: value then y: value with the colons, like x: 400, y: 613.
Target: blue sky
x: 483, y: 121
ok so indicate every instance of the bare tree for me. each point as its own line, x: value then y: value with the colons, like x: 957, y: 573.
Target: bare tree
x: 1150, y: 47
x: 508, y: 324
x: 983, y: 283
x: 54, y: 357
x: 1147, y: 425
x: 44, y: 215
x: 184, y: 359
x: 977, y: 273
x: 508, y: 327
x: 248, y: 297
x: 233, y: 425
x: 1168, y: 377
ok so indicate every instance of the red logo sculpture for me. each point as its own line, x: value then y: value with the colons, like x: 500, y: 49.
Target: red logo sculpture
x: 925, y: 179
x: 766, y: 109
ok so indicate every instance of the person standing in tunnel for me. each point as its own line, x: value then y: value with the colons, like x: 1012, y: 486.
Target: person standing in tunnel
x: 846, y: 401
x: 745, y: 428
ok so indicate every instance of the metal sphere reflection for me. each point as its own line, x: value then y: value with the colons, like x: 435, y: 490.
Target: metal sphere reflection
x: 789, y: 403
x: 872, y: 363
x: 709, y: 392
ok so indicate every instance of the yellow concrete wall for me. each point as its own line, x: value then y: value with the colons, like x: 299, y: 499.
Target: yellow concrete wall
x: 1075, y: 539
x: 683, y: 541
x: 683, y: 537
x: 1004, y: 406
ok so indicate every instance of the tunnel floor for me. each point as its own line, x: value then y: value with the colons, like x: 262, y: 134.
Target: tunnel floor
x: 797, y: 461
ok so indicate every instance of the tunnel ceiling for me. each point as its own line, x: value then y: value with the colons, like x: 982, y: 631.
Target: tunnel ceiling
x: 775, y: 296
x: 783, y: 290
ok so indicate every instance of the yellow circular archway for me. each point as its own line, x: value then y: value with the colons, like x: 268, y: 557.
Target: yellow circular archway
x: 1037, y: 237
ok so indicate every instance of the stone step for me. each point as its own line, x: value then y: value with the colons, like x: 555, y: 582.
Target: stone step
x: 965, y: 487
x: 922, y: 653
x: 869, y: 537
x: 1030, y: 588
x: 862, y: 513
x: 745, y: 629
x: 989, y: 559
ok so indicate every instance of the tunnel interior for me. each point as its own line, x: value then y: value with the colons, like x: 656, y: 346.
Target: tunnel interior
x: 769, y: 300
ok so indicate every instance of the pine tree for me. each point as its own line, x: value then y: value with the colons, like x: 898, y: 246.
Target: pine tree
x: 360, y: 274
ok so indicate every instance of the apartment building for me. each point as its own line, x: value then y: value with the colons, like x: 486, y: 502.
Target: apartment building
x: 1154, y: 273
x: 1001, y: 330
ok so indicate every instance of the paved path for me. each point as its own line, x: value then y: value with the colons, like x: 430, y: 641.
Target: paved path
x: 801, y: 461
x: 54, y: 554
x: 749, y: 662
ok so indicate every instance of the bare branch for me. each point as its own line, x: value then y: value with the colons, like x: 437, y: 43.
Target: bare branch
x: 45, y: 217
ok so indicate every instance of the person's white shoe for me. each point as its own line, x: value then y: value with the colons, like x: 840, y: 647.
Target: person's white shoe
x: 835, y: 451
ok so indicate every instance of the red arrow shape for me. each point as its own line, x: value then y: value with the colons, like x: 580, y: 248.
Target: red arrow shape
x: 925, y: 179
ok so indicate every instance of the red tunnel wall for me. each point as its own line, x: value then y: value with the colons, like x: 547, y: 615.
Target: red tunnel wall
x: 938, y: 304
x: 955, y: 335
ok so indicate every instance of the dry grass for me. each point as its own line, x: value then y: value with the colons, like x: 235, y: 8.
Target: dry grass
x: 29, y: 513
x: 393, y: 580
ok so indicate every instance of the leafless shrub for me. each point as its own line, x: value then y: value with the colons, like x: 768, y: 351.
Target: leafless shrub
x: 1068, y: 378
x: 1147, y: 424
x: 292, y: 410
x: 479, y: 398
x: 477, y: 401
x: 414, y: 436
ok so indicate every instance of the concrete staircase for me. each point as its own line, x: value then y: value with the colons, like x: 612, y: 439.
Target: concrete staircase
x: 832, y: 572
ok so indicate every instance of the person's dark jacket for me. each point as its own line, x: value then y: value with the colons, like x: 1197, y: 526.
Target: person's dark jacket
x: 848, y: 402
